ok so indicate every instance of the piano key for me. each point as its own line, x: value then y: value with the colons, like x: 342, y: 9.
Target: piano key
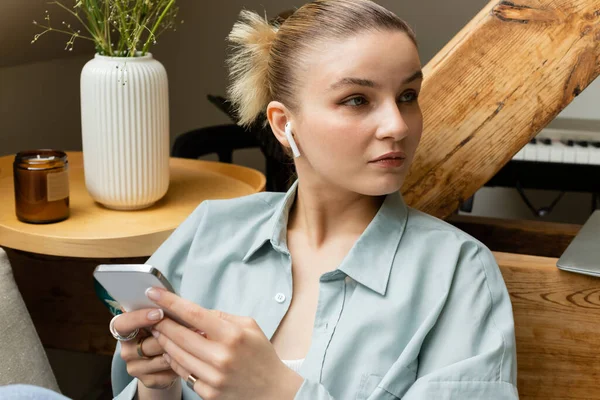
x: 595, y: 155
x: 582, y: 156
x: 543, y: 153
x: 556, y: 152
x: 595, y: 159
x: 519, y: 155
x: 569, y: 153
x: 530, y: 152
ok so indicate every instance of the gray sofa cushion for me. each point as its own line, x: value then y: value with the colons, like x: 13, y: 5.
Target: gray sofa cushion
x: 22, y: 356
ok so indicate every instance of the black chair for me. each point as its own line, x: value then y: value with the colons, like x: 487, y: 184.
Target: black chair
x: 221, y: 139
x: 225, y: 139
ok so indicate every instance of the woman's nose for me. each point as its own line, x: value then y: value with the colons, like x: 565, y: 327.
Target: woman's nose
x: 392, y: 124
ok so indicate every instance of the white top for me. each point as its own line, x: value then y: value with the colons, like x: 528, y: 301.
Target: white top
x: 294, y: 365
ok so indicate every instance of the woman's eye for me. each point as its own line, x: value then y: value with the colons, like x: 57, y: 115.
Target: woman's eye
x: 356, y: 101
x: 408, y: 97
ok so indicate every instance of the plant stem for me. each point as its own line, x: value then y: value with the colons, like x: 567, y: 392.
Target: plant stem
x: 49, y: 28
x: 132, y: 19
x: 167, y: 7
x: 75, y: 14
x: 122, y: 43
x: 107, y: 26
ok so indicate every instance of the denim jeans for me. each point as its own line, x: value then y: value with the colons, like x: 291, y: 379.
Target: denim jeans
x: 28, y: 392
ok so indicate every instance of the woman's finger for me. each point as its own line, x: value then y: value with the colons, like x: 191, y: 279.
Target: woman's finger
x: 150, y: 347
x: 192, y: 315
x: 198, y: 346
x: 147, y: 366
x: 130, y: 321
x: 207, y: 372
x: 160, y: 380
x: 197, y: 383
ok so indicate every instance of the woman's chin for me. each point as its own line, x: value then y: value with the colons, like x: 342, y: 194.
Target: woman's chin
x: 381, y: 187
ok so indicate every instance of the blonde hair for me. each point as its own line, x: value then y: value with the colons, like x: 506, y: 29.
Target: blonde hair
x: 265, y: 56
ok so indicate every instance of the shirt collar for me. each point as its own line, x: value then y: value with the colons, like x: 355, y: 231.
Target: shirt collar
x: 370, y: 260
x: 275, y: 228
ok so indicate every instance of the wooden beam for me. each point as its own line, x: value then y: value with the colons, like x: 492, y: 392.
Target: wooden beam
x: 493, y: 87
x: 538, y: 238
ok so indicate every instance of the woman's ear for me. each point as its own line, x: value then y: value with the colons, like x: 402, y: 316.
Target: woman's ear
x: 278, y: 116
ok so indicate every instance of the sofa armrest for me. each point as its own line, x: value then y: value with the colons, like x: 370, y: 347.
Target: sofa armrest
x: 23, y: 357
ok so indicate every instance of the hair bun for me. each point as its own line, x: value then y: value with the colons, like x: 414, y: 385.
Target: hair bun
x: 252, y: 37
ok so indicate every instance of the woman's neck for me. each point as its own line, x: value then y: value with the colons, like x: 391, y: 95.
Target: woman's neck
x: 325, y: 214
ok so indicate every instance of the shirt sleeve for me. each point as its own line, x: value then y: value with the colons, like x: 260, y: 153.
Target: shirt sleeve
x: 470, y: 351
x: 170, y: 259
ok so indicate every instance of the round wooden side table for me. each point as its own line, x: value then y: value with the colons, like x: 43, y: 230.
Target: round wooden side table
x: 97, y: 232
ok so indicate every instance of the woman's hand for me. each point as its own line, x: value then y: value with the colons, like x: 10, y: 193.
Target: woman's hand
x: 152, y: 370
x: 234, y: 361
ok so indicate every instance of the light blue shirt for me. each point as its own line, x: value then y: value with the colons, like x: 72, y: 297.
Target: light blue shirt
x: 424, y: 314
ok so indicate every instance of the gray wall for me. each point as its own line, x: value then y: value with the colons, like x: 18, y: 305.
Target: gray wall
x: 39, y: 99
x: 39, y: 84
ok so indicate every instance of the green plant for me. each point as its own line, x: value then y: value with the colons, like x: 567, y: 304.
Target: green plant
x: 124, y: 28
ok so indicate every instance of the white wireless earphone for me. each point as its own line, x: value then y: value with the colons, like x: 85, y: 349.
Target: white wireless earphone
x: 290, y: 139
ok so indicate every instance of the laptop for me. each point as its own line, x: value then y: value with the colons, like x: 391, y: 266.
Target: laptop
x: 583, y: 253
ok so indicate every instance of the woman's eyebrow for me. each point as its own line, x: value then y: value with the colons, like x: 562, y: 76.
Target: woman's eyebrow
x: 352, y: 82
x: 369, y: 83
x: 417, y: 75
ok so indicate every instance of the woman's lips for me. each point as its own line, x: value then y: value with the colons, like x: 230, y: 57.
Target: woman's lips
x: 389, y: 162
x: 391, y: 159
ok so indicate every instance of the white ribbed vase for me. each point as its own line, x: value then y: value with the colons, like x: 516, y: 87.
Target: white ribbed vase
x: 125, y: 130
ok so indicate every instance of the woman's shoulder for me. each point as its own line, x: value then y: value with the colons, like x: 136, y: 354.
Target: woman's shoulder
x: 427, y: 234
x: 245, y: 207
x: 229, y: 220
x: 424, y: 225
x: 450, y: 256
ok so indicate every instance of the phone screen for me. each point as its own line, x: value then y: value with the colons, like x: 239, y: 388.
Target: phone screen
x: 113, y: 305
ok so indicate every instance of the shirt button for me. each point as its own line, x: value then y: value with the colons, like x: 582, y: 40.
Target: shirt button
x: 280, y: 297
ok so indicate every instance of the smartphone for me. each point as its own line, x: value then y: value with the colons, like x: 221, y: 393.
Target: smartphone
x: 126, y: 284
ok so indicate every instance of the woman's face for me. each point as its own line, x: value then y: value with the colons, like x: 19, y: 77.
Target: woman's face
x: 358, y: 104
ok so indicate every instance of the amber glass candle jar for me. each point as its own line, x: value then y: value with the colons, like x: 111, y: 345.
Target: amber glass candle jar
x: 41, y: 180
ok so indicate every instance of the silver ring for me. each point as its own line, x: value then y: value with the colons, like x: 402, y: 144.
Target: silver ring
x: 191, y: 381
x: 116, y: 335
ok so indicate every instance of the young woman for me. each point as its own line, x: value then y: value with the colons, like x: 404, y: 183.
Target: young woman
x: 335, y: 289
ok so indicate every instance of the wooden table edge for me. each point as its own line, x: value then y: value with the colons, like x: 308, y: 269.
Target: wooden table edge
x: 513, y: 260
x: 259, y: 184
x: 145, y: 245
